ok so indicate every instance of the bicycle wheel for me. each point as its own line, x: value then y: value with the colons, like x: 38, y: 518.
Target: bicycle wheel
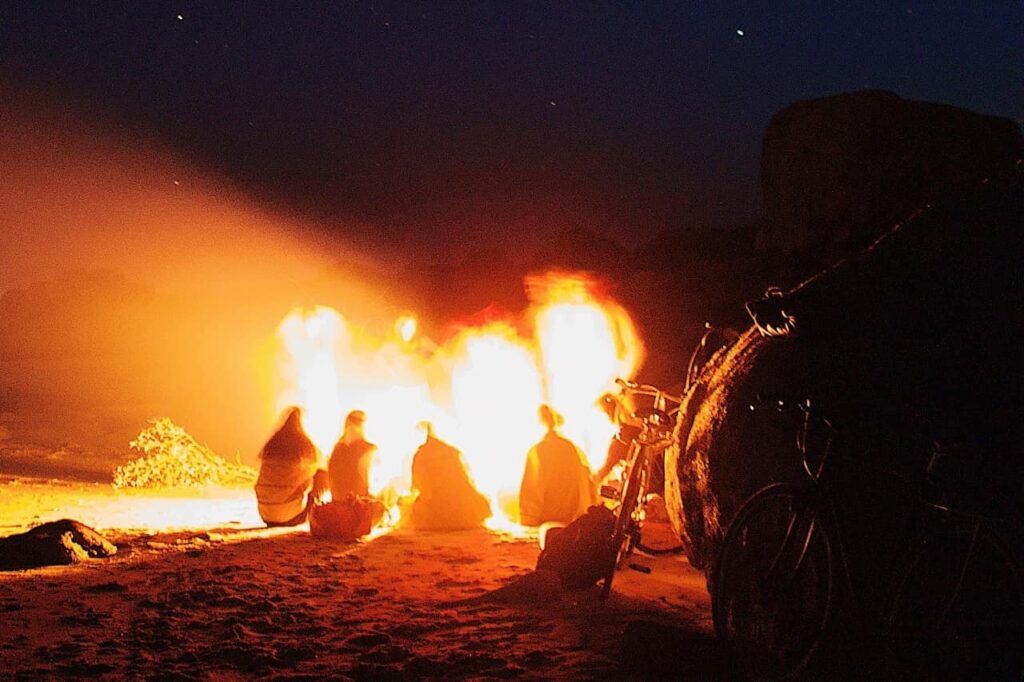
x: 659, y: 551
x: 958, y: 611
x: 773, y: 583
x: 622, y: 533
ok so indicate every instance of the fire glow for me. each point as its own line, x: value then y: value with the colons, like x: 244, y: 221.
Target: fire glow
x: 481, y: 388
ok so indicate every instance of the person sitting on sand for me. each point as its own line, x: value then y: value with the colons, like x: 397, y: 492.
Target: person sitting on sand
x: 289, y: 480
x: 447, y: 498
x: 556, y: 485
x: 349, y: 468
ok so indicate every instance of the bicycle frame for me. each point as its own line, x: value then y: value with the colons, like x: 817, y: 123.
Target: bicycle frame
x: 816, y: 507
x: 656, y: 432
x: 819, y: 503
x: 639, y: 461
x: 821, y: 500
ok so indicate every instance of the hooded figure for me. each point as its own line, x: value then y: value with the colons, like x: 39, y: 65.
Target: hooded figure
x: 288, y: 479
x: 349, y: 468
x: 556, y: 484
x: 447, y: 499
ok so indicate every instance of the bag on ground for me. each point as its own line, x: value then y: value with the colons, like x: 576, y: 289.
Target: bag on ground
x: 349, y: 518
x: 580, y: 552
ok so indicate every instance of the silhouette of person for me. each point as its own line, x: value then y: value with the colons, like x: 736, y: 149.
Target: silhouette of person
x: 447, y: 498
x: 556, y: 484
x: 349, y: 468
x: 289, y: 480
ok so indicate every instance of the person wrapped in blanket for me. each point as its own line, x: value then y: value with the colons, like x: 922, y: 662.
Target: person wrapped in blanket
x: 351, y: 459
x: 446, y: 497
x: 290, y: 477
x: 556, y: 485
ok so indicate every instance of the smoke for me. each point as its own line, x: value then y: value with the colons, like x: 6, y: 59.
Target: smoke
x: 134, y: 284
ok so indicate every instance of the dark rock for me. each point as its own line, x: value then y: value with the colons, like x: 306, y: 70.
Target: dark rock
x: 837, y: 172
x: 918, y: 333
x: 57, y: 543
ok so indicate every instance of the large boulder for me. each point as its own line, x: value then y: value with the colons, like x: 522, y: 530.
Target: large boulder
x: 57, y: 543
x: 837, y: 172
x: 925, y: 323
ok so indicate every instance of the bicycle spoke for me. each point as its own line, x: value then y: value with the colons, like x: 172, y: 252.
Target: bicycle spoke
x: 960, y: 609
x: 785, y: 544
x: 773, y: 584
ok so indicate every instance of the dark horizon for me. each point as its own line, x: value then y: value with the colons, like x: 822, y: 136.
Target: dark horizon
x: 432, y: 133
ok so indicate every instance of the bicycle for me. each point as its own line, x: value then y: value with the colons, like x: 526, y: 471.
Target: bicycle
x: 655, y: 424
x: 775, y: 590
x: 965, y: 557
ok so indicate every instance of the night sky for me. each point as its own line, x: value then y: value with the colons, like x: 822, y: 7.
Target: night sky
x: 435, y: 128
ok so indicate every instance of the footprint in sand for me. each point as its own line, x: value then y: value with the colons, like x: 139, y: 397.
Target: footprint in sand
x: 367, y: 640
x: 448, y: 582
x: 83, y: 669
x: 461, y: 559
x: 385, y: 654
x: 104, y: 588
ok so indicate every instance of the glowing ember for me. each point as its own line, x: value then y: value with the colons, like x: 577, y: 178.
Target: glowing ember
x: 480, y: 389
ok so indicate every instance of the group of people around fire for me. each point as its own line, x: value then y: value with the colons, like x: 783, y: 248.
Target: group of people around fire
x: 556, y: 484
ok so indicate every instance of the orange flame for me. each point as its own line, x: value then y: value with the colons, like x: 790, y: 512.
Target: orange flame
x: 481, y: 389
x: 406, y: 327
x: 584, y: 345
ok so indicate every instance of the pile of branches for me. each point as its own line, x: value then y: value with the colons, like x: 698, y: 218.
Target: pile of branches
x: 171, y: 458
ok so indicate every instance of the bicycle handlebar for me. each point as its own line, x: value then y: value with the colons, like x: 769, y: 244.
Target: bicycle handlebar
x: 634, y: 388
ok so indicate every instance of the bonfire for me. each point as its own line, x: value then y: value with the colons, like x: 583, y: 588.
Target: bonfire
x: 171, y: 458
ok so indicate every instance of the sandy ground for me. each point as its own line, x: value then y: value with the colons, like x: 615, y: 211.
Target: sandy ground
x: 26, y: 502
x: 238, y: 602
